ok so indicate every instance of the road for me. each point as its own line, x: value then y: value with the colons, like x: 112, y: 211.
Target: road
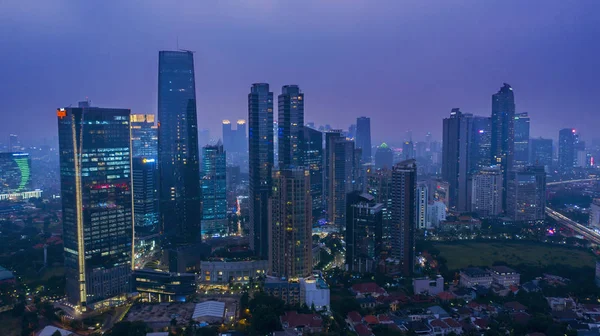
x: 587, y: 233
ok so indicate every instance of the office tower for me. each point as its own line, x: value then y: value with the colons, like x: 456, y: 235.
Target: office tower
x: 455, y: 159
x: 503, y: 132
x: 15, y: 176
x: 145, y: 197
x: 290, y: 135
x: 422, y: 203
x: 95, y: 166
x: 404, y: 188
x: 379, y: 185
x: 313, y: 159
x: 241, y: 137
x: 439, y: 191
x: 363, y: 137
x: 428, y: 139
x: 290, y: 251
x: 213, y: 185
x: 384, y: 157
x: 351, y: 134
x: 341, y: 172
x: 480, y: 143
x: 178, y: 156
x: 521, y: 139
x: 421, y: 150
x: 261, y: 148
x: 203, y: 137
x: 527, y: 194
x: 408, y: 150
x: 13, y: 143
x: 363, y: 232
x: 330, y: 138
x: 541, y: 152
x: 567, y: 139
x: 228, y: 136
x: 275, y: 144
x: 436, y: 212
x: 144, y: 136
x: 486, y: 193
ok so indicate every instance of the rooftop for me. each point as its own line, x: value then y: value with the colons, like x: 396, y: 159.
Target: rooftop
x: 503, y: 270
x: 295, y: 320
x: 209, y: 308
x: 475, y: 272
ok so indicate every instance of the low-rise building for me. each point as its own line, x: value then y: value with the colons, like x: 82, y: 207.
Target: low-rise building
x: 302, y: 323
x: 367, y: 289
x: 286, y: 290
x: 428, y: 285
x: 460, y: 223
x: 164, y: 286
x: 223, y: 271
x: 505, y: 276
x: 473, y: 276
x: 315, y: 292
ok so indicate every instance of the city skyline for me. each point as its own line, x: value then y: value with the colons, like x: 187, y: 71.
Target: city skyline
x: 426, y: 87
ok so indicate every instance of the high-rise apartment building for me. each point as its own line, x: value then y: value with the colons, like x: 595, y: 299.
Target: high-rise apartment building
x: 290, y: 232
x: 379, y: 185
x: 95, y: 177
x: 404, y: 189
x: 363, y: 232
x: 527, y: 194
x: 290, y: 121
x: 455, y: 157
x: 214, y: 191
x: 521, y: 139
x: 178, y: 156
x: 313, y: 159
x: 261, y: 149
x: 144, y: 136
x: 486, y: 194
x: 503, y: 132
x: 408, y: 150
x: 480, y: 143
x: 363, y: 137
x: 384, y: 157
x: 541, y: 152
x: 241, y: 137
x: 567, y: 142
x: 228, y: 136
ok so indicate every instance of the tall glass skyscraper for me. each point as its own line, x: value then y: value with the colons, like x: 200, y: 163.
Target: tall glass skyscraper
x: 179, y: 170
x: 260, y: 140
x: 541, y: 152
x: 521, y: 139
x: 480, y: 144
x: 404, y: 190
x: 95, y: 177
x: 144, y: 136
x: 503, y: 132
x: 567, y: 140
x: 363, y: 137
x: 457, y: 132
x: 313, y: 159
x: 214, y: 190
x: 290, y: 120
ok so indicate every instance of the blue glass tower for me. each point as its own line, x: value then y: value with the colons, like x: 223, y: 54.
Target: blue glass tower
x: 214, y: 191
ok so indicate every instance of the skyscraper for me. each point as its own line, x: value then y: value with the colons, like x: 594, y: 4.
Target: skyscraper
x: 527, y: 194
x: 363, y: 232
x: 384, y: 157
x: 178, y: 157
x: 291, y: 127
x: 480, y: 143
x: 144, y: 136
x: 145, y: 197
x: 408, y: 150
x: 15, y: 176
x: 313, y: 159
x: 486, y: 194
x: 379, y: 185
x: 567, y: 139
x: 241, y: 138
x: 214, y: 190
x: 95, y: 176
x: 363, y: 137
x: 541, y: 152
x: 521, y: 139
x: 290, y: 232
x: 404, y: 189
x: 455, y: 158
x: 422, y: 202
x: 228, y: 136
x: 503, y: 132
x: 260, y: 140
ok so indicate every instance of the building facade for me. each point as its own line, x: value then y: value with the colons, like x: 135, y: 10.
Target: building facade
x: 541, y: 152
x: 15, y: 176
x: 567, y: 140
x: 384, y: 157
x: 260, y: 140
x: 96, y: 183
x: 313, y: 159
x: 521, y: 139
x: 422, y: 205
x: 486, y: 193
x: 455, y: 157
x: 214, y: 191
x: 363, y: 137
x: 144, y: 136
x: 404, y: 189
x: 379, y: 185
x: 290, y: 123
x: 178, y: 155
x: 503, y: 132
x: 527, y: 195
x: 363, y: 232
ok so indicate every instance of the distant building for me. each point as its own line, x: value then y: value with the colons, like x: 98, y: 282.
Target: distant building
x: 527, y: 195
x: 503, y: 132
x: 521, y: 139
x: 315, y: 291
x: 505, y: 276
x: 145, y: 198
x: 473, y: 276
x: 384, y: 157
x: 429, y: 286
x: 404, y: 188
x: 363, y: 232
x: 455, y: 162
x: 224, y: 271
x: 15, y: 177
x: 213, y: 184
x: 408, y: 150
x: 436, y: 213
x: 422, y: 204
x: 97, y: 204
x: 363, y: 137
x: 439, y: 190
x: 313, y: 159
x: 486, y: 193
x: 594, y: 221
x: 284, y: 289
x: 379, y: 185
x: 144, y: 136
x: 541, y: 152
x: 290, y: 135
x: 567, y: 139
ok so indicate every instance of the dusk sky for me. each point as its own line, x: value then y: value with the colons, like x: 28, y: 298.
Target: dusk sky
x: 405, y: 64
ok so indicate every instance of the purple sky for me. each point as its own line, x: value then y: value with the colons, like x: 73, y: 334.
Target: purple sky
x: 403, y: 63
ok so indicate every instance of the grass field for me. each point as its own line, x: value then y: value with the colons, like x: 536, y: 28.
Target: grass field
x: 463, y: 254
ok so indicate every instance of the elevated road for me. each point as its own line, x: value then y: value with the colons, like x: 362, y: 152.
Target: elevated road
x: 561, y: 219
x: 571, y: 181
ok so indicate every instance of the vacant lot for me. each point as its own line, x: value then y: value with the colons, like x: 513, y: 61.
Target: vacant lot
x: 463, y: 254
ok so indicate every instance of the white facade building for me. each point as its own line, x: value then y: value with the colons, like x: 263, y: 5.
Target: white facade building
x: 486, y: 192
x: 437, y: 213
x: 314, y: 291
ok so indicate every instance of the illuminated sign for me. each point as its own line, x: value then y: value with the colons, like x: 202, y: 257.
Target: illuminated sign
x: 148, y: 160
x: 61, y: 113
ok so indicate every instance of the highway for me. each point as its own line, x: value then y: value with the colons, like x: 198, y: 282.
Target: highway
x: 571, y: 181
